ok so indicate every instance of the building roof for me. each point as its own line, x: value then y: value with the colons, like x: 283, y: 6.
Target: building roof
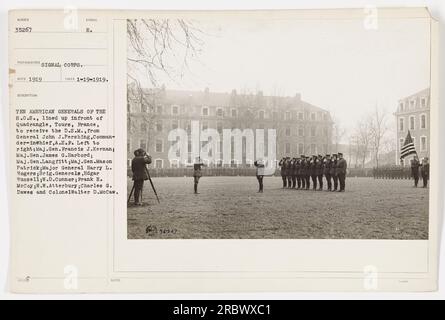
x: 422, y: 93
x: 233, y: 99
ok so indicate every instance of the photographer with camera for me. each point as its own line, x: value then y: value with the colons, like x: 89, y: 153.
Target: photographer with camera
x: 140, y: 173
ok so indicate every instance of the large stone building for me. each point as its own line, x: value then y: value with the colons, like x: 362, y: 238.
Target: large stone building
x: 413, y: 114
x: 301, y: 128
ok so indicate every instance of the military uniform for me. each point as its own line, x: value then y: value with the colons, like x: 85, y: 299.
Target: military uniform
x: 334, y: 173
x: 327, y: 171
x: 294, y: 173
x: 307, y: 173
x: 282, y: 165
x: 319, y: 171
x: 140, y: 174
x: 415, y: 164
x: 425, y: 171
x: 313, y: 172
x: 303, y: 172
x: 197, y: 174
x: 341, y: 173
x: 259, y: 174
x: 289, y: 172
x: 298, y: 172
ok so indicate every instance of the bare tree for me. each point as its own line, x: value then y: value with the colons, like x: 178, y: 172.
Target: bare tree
x: 378, y: 129
x: 363, y: 138
x: 157, y: 48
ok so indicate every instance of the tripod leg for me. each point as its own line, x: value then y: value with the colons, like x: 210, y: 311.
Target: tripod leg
x: 131, y: 193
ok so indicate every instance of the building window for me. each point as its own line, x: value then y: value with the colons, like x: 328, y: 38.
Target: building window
x: 143, y: 127
x: 205, y: 111
x: 159, y: 126
x: 412, y: 104
x: 325, y: 116
x: 423, y: 102
x: 313, y: 131
x: 287, y: 116
x: 159, y: 163
x: 287, y: 132
x: 205, y: 125
x: 159, y: 146
x: 219, y: 127
x: 313, y: 148
x: 313, y: 116
x: 401, y: 142
x: 143, y: 144
x: 412, y: 120
x: 423, y: 145
x: 300, y: 148
x: 402, y: 124
x: 423, y: 121
x: 261, y: 115
x: 234, y: 113
x: 219, y: 112
x: 300, y: 116
x: 175, y: 110
x: 287, y: 148
x: 159, y: 109
x: 175, y: 124
x: 301, y: 131
x: 401, y: 106
x: 325, y: 131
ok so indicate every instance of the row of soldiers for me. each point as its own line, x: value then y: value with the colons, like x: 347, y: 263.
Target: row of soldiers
x: 300, y: 172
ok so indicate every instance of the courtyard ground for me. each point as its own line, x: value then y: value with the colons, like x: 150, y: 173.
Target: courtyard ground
x: 230, y: 208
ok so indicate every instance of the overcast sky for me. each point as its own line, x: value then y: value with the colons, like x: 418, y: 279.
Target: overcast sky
x: 335, y: 64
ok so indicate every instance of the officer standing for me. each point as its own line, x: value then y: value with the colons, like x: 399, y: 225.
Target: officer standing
x: 294, y: 172
x: 320, y: 168
x: 425, y: 170
x: 289, y: 170
x: 140, y: 174
x: 259, y: 164
x: 342, y: 165
x: 415, y: 164
x: 298, y: 173
x: 313, y: 166
x: 334, y: 171
x: 327, y: 171
x: 308, y: 173
x: 197, y: 173
x: 282, y: 165
x: 303, y: 171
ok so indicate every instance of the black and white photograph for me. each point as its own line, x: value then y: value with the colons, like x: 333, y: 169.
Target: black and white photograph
x: 272, y: 128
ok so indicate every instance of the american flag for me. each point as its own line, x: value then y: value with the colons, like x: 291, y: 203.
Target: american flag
x: 408, y: 147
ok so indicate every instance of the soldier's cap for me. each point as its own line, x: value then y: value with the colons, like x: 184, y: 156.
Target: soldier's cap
x: 320, y: 156
x: 328, y: 155
x: 139, y: 151
x: 340, y: 154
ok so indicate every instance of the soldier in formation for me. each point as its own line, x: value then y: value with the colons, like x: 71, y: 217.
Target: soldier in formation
x: 297, y: 173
